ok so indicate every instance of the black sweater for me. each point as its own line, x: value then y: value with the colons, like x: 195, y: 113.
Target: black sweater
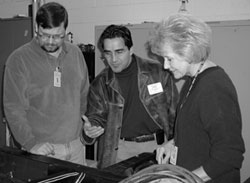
x: 208, y: 127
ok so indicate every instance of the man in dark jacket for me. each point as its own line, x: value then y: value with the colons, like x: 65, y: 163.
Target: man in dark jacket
x: 131, y: 103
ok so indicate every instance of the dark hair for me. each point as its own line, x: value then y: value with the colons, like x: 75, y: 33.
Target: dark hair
x: 51, y: 15
x: 116, y: 31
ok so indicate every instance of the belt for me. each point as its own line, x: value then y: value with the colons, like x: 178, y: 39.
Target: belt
x: 143, y: 138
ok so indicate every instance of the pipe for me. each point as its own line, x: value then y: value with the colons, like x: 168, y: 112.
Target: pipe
x: 36, y: 4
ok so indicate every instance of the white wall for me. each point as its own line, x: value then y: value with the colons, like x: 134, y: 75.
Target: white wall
x: 84, y: 15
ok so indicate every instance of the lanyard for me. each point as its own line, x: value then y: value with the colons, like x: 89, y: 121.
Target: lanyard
x: 192, y: 84
x: 185, y: 98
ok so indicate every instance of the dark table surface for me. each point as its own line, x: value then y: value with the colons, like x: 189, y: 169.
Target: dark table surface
x: 17, y: 166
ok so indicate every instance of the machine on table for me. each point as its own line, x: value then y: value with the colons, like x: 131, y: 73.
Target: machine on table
x: 17, y: 166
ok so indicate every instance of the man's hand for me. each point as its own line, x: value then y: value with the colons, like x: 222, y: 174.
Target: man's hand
x: 43, y: 149
x: 91, y: 131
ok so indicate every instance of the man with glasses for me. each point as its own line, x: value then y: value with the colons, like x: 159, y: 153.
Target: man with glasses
x: 45, y: 89
x: 133, y: 100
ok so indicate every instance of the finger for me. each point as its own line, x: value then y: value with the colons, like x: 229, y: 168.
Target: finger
x: 85, y: 118
x: 165, y: 160
x: 166, y: 157
x: 94, y: 129
x: 159, y: 155
x: 87, y: 125
x: 95, y: 133
x: 99, y: 133
x: 42, y: 151
x: 51, y: 149
x: 46, y: 149
x: 98, y: 129
x: 159, y: 160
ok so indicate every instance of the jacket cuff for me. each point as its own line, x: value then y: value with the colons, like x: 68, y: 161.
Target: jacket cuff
x: 215, y: 169
x: 86, y: 139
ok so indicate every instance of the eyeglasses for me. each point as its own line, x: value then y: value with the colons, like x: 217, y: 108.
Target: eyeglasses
x: 55, y: 37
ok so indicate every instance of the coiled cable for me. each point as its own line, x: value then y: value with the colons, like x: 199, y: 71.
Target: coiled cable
x: 165, y: 173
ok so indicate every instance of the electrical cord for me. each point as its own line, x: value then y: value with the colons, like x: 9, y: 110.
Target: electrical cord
x: 165, y: 173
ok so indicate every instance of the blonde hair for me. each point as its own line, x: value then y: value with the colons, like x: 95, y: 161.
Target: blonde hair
x: 188, y: 36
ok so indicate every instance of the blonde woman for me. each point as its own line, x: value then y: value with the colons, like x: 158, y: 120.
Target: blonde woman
x: 207, y: 138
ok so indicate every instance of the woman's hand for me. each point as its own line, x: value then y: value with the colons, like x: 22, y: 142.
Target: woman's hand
x: 163, y: 152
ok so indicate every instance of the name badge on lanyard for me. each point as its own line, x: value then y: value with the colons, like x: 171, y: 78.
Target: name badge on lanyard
x: 57, y: 78
x: 155, y: 88
x: 173, y: 155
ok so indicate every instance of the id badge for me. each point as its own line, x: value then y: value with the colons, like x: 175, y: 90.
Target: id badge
x: 155, y: 88
x: 173, y: 156
x: 57, y: 78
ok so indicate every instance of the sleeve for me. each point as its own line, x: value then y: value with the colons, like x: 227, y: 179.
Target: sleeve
x: 96, y: 108
x: 173, y: 97
x: 85, y: 84
x: 221, y: 117
x: 16, y: 103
